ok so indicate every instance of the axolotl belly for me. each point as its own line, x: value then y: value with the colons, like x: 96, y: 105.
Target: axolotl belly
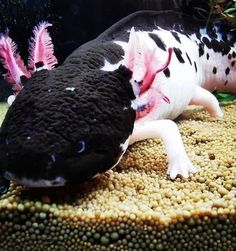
x: 75, y: 121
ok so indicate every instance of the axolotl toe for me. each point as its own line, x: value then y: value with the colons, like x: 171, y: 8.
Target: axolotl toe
x: 75, y: 121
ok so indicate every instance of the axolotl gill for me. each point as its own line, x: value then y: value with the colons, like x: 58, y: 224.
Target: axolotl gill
x: 71, y: 122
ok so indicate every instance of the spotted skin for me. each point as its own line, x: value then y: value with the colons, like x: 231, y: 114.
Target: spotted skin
x: 200, y: 63
x: 188, y: 71
x: 99, y: 94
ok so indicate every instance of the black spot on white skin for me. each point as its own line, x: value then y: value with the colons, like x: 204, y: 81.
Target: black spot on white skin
x: 226, y: 82
x: 234, y: 54
x: 201, y: 50
x: 229, y: 56
x: 207, y: 42
x: 178, y: 54
x: 207, y: 56
x: 187, y: 36
x: 167, y: 72
x: 158, y: 41
x: 176, y: 36
x: 214, y: 70
x: 221, y: 46
x: 227, y: 71
x: 233, y: 63
x: 195, y: 65
x: 188, y: 58
x: 217, y: 46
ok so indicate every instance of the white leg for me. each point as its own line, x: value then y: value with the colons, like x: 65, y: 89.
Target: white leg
x: 208, y: 100
x: 167, y: 130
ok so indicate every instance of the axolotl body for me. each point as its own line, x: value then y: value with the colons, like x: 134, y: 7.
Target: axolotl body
x: 77, y: 120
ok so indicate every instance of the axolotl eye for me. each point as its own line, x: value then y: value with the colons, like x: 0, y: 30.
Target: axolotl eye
x: 81, y: 146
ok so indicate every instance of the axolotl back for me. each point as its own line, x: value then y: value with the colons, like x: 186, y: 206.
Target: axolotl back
x: 75, y: 121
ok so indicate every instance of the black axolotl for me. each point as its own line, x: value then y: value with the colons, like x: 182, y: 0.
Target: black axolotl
x: 70, y: 123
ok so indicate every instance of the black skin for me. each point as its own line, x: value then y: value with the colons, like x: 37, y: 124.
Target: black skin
x: 82, y: 129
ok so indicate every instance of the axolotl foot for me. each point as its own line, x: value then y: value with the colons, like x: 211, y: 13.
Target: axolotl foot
x: 167, y: 130
x: 180, y: 165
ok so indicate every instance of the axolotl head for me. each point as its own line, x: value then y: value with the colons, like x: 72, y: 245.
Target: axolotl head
x: 67, y: 126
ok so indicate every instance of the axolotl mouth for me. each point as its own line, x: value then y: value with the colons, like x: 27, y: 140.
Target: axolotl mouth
x: 30, y: 167
x: 34, y: 169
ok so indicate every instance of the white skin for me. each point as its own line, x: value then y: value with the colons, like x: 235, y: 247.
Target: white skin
x: 183, y: 87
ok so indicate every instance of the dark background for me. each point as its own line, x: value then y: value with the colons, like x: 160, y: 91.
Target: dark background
x: 74, y: 21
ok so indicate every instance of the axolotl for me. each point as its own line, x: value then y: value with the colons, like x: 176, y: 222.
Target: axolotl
x: 69, y: 123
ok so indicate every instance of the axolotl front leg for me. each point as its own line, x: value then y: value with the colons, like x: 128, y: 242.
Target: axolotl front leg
x: 167, y: 130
